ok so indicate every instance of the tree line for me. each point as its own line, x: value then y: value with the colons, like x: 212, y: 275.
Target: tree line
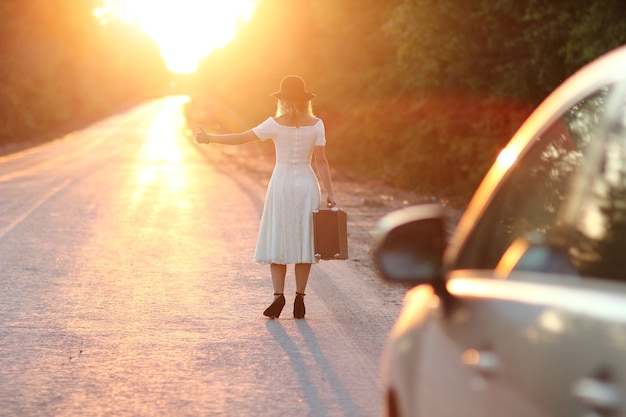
x: 417, y: 93
x: 61, y: 68
x: 420, y: 94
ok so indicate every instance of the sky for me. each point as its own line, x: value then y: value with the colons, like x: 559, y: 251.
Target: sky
x: 186, y: 31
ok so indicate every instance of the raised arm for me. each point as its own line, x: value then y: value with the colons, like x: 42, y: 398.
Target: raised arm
x: 324, y: 172
x: 228, y: 139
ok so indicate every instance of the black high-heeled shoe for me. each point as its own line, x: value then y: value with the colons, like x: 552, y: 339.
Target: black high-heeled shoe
x: 298, y: 306
x: 274, y: 310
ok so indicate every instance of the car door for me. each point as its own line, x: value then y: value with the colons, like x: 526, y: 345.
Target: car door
x: 524, y: 317
x: 460, y: 369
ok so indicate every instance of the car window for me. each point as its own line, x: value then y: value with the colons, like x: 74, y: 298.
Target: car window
x: 597, y: 247
x: 529, y: 199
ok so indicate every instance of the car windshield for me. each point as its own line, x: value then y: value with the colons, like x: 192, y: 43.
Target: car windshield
x: 530, y: 201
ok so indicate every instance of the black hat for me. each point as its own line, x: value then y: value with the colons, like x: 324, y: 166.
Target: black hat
x: 292, y: 88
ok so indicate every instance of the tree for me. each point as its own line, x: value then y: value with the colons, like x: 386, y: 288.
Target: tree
x: 61, y: 67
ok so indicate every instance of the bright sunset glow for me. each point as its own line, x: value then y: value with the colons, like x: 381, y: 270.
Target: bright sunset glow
x: 185, y: 30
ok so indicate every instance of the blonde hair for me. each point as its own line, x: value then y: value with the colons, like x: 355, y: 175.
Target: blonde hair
x: 293, y: 110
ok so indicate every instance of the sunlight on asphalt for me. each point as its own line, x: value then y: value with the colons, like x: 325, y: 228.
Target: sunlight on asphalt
x: 167, y: 123
x: 161, y: 156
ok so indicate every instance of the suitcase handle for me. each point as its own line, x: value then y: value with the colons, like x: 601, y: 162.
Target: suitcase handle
x: 332, y: 209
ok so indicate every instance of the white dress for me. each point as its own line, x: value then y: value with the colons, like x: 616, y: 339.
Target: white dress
x: 293, y: 193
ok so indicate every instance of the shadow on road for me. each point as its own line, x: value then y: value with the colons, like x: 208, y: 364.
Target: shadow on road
x: 298, y: 360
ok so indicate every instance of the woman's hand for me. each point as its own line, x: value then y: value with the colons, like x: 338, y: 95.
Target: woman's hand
x: 330, y: 202
x: 202, y: 136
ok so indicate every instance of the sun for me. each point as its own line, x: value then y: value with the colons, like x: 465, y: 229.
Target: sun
x: 185, y: 30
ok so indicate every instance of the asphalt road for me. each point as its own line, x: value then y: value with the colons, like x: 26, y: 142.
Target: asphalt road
x: 128, y: 288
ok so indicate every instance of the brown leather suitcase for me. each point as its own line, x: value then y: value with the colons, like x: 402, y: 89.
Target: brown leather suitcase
x: 331, y: 234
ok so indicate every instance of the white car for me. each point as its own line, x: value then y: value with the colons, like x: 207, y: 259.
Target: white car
x: 523, y: 312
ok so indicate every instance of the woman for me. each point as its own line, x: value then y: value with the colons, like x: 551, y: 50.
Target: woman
x: 286, y: 229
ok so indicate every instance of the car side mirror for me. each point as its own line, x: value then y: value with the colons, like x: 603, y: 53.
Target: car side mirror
x: 409, y: 244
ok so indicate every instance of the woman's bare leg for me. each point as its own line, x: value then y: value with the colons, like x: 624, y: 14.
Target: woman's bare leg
x: 278, y: 281
x: 302, y: 277
x: 278, y: 277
